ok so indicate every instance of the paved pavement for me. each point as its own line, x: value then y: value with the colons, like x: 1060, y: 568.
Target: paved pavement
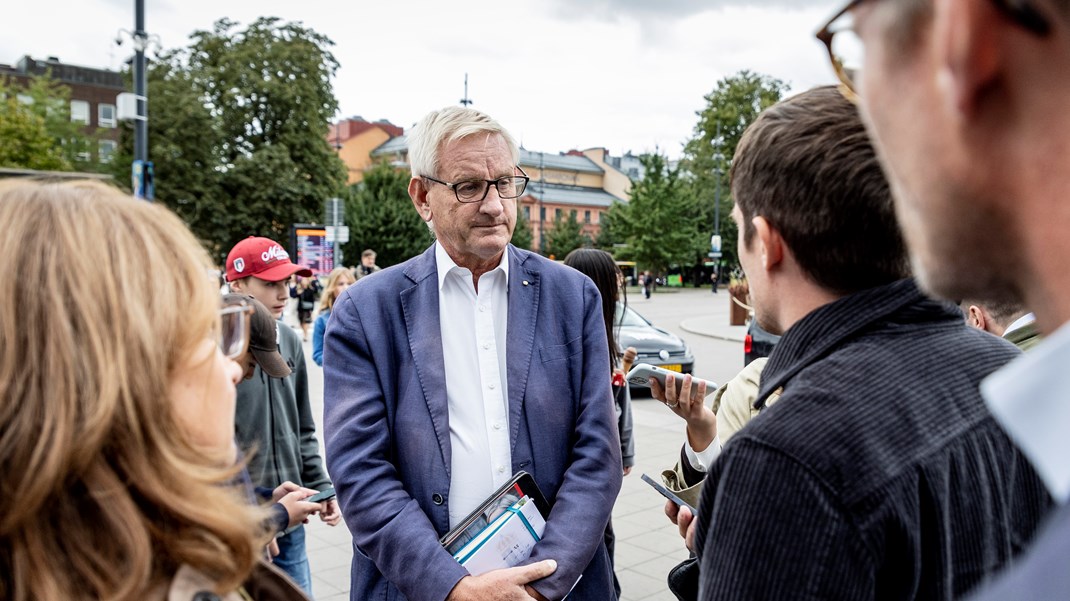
x: 647, y: 543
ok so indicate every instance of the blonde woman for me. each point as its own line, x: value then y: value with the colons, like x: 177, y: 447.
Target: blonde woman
x: 117, y: 407
x: 337, y: 282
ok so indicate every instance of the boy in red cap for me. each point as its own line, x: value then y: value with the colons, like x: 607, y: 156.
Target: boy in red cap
x: 273, y: 415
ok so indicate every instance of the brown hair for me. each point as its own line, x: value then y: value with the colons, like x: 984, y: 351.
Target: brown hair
x: 105, y: 496
x: 807, y: 166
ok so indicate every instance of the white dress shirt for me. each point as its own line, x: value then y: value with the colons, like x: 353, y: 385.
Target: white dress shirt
x: 473, y: 326
x: 1028, y: 398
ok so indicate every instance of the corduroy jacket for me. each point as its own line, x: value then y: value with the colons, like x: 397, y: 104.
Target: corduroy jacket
x: 879, y: 474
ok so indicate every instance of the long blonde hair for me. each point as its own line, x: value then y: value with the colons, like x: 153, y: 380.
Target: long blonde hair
x: 329, y: 295
x: 104, y: 495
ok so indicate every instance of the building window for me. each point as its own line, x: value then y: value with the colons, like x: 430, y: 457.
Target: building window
x: 527, y: 213
x: 586, y: 216
x: 80, y: 111
x: 542, y: 213
x: 557, y: 214
x: 106, y: 150
x: 106, y: 115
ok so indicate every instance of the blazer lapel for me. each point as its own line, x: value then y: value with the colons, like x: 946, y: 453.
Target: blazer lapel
x: 523, y: 311
x: 419, y: 303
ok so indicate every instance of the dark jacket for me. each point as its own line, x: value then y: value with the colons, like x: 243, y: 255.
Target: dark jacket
x: 273, y: 423
x: 879, y: 474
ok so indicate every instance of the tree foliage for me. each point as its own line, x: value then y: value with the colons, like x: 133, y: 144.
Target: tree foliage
x: 522, y: 236
x: 733, y: 105
x: 238, y: 130
x: 566, y: 236
x: 381, y: 217
x: 39, y: 134
x: 656, y: 221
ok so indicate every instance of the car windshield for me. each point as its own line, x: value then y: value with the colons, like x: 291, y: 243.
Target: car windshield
x: 628, y: 318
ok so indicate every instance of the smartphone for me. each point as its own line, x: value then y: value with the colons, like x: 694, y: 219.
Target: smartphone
x: 668, y: 494
x: 642, y: 372
x: 323, y: 495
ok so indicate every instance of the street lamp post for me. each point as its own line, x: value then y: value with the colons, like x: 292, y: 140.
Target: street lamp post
x: 715, y: 240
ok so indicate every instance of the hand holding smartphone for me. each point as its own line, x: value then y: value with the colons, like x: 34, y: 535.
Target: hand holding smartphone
x: 642, y: 372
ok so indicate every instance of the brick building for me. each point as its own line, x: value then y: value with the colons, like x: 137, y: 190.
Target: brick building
x: 93, y: 93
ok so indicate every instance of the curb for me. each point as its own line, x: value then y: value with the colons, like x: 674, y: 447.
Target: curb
x: 684, y: 325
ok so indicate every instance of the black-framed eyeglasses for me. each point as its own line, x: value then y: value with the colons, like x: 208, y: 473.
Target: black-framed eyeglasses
x: 845, y: 47
x: 234, y: 328
x: 475, y: 190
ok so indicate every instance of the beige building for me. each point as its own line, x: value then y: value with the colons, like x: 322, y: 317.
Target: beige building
x: 354, y: 139
x: 585, y: 183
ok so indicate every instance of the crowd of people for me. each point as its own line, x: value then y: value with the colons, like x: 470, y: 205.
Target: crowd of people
x: 906, y: 439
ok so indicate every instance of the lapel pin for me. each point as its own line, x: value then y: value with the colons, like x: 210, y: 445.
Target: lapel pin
x: 525, y: 282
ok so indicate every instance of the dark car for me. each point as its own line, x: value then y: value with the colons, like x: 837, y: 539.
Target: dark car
x: 654, y: 345
x: 758, y: 342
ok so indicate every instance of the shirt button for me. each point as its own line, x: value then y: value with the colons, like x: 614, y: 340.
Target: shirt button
x: 482, y: 308
x: 486, y: 346
x: 491, y: 386
x: 501, y: 468
x: 498, y: 426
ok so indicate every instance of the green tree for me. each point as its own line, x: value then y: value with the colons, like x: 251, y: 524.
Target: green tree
x: 656, y: 224
x: 522, y: 236
x: 24, y: 140
x: 381, y: 217
x: 48, y: 110
x: 609, y: 234
x: 238, y: 130
x: 732, y: 106
x: 566, y: 236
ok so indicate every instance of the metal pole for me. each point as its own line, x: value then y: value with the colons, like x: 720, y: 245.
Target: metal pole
x: 717, y: 190
x: 141, y: 126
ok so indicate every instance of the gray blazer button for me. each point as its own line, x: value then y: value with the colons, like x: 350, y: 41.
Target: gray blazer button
x: 436, y: 499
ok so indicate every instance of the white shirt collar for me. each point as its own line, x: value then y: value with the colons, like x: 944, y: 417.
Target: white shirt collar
x: 446, y: 264
x: 1020, y: 323
x: 1029, y: 399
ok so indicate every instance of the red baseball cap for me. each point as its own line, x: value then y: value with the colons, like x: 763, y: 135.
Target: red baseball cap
x: 263, y: 258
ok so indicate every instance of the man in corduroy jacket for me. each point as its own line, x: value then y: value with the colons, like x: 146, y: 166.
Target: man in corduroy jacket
x: 879, y: 473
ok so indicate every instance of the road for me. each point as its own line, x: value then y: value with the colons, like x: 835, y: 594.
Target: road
x: 648, y: 545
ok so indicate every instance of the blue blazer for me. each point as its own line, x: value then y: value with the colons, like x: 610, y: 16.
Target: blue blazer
x: 386, y: 426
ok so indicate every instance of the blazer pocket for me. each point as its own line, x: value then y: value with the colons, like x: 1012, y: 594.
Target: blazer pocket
x: 562, y: 351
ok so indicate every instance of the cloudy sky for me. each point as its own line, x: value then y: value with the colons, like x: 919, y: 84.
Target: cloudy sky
x: 560, y: 74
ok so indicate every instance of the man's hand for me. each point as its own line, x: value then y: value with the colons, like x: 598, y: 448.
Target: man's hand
x: 296, y: 508
x: 508, y: 584
x: 688, y: 404
x: 330, y: 513
x: 681, y: 516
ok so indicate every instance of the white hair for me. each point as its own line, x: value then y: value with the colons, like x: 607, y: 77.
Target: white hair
x: 444, y: 126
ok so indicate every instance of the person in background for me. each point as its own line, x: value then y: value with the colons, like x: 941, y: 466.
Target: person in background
x: 367, y: 264
x: 1010, y: 321
x: 603, y: 271
x: 337, y: 282
x: 305, y: 291
x: 288, y: 507
x: 274, y: 415
x: 117, y: 408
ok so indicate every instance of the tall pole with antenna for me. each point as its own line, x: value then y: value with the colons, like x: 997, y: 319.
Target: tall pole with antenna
x: 466, y: 101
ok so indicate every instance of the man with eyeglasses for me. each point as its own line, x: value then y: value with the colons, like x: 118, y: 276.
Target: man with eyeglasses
x: 967, y: 101
x: 449, y: 373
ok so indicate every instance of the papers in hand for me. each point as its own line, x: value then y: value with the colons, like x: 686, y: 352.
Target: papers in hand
x: 504, y: 542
